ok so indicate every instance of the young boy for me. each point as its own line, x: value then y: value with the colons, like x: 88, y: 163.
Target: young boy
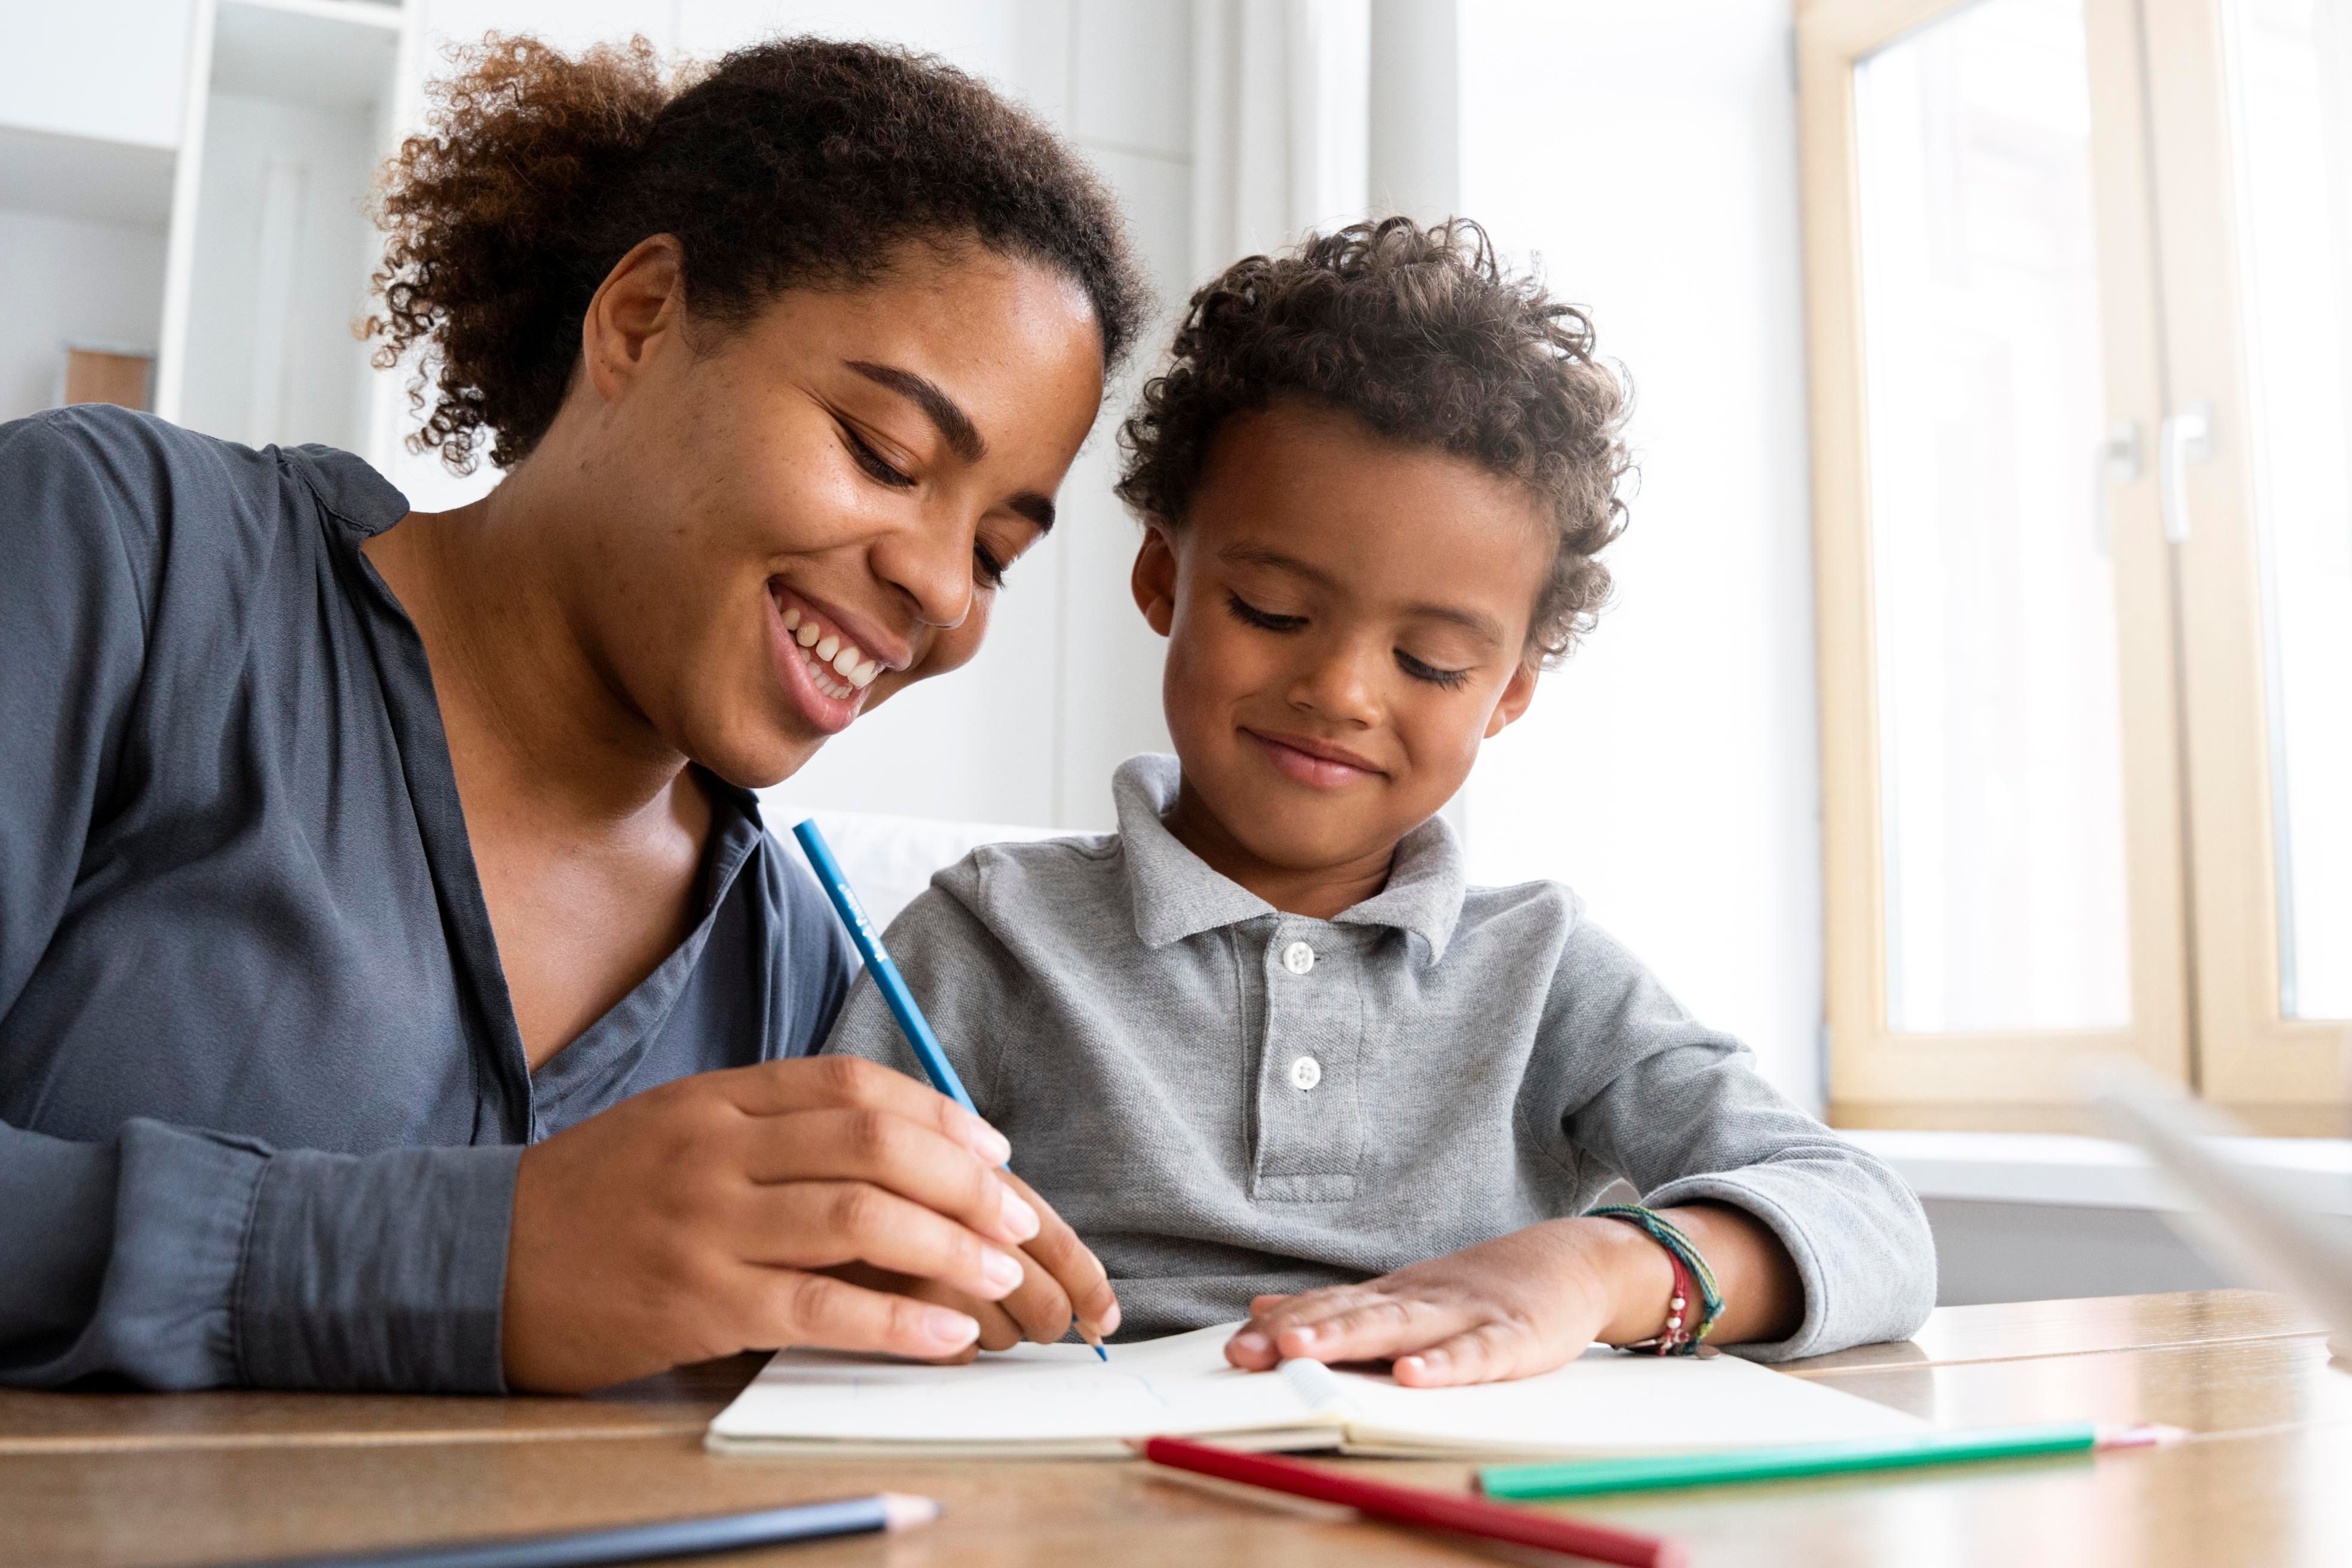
x: 1262, y: 1046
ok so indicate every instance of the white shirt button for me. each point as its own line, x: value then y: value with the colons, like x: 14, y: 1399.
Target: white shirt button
x: 1299, y: 958
x: 1306, y: 1072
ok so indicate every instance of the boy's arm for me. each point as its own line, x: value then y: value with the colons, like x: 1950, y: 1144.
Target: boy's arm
x: 1683, y: 1114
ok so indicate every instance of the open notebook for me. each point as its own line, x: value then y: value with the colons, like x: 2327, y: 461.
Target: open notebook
x: 1060, y: 1402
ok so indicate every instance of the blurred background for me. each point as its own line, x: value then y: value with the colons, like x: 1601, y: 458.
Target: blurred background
x: 1977, y: 700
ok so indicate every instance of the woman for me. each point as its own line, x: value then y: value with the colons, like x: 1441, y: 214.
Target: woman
x: 398, y: 987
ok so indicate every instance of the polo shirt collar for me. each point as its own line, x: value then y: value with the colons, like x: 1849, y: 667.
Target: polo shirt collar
x: 1174, y: 893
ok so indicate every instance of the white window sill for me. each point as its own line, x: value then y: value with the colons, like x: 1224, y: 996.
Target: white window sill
x: 2086, y: 1173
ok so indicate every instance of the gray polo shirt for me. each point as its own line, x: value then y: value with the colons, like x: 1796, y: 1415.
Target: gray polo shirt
x: 262, y: 1094
x: 1225, y: 1100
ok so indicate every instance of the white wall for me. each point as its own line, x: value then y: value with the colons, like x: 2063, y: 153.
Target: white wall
x: 1068, y: 682
x: 93, y: 282
x: 1646, y: 153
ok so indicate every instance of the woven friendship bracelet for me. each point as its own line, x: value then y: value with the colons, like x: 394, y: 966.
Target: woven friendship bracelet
x: 1693, y: 1278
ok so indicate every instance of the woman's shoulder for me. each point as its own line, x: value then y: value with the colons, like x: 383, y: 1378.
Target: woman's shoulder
x: 137, y: 456
x: 141, y: 492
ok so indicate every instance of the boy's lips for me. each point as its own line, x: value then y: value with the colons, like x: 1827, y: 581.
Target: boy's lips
x: 1315, y: 763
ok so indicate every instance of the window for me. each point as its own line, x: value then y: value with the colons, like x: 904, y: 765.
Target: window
x: 2079, y: 280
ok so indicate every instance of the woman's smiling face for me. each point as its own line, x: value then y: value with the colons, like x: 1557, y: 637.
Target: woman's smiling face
x: 797, y: 516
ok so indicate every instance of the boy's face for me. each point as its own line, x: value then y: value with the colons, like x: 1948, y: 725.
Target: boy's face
x: 1347, y: 619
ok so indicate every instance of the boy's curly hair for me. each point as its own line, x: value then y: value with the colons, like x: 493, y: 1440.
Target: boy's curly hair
x: 799, y: 161
x: 1418, y: 332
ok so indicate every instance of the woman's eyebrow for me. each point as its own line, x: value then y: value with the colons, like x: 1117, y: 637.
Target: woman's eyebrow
x: 955, y: 426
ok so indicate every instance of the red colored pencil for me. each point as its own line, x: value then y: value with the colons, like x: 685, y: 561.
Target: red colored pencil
x: 1417, y: 1506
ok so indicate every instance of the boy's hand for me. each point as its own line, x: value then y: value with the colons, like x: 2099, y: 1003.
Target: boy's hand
x: 1062, y: 1282
x: 1518, y: 1305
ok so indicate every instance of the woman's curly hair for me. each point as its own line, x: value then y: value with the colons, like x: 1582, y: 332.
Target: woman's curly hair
x: 801, y: 160
x: 1418, y: 332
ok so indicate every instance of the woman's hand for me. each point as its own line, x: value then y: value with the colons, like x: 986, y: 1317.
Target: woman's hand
x: 694, y: 1221
x: 1518, y: 1305
x: 1061, y: 1283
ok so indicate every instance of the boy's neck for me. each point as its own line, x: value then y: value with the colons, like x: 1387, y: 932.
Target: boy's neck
x: 1318, y: 892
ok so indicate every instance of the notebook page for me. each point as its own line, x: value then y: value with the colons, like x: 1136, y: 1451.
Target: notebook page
x: 1056, y: 1395
x: 1606, y: 1402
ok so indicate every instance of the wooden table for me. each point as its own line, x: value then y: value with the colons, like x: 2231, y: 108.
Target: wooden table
x: 128, y: 1478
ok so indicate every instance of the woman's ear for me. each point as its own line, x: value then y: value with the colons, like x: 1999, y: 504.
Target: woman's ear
x: 1154, y: 577
x: 1518, y: 692
x: 640, y: 300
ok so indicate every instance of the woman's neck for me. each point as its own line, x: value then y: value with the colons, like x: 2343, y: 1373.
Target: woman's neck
x: 1318, y: 892
x: 532, y: 713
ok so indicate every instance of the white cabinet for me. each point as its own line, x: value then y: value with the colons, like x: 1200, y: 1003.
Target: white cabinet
x: 188, y: 179
x: 92, y: 99
x: 272, y: 268
x: 115, y: 70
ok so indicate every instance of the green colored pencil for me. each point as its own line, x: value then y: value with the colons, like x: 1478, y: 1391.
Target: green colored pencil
x: 1653, y: 1472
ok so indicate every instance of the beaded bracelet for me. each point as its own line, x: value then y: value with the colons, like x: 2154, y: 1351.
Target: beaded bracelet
x: 1692, y: 1277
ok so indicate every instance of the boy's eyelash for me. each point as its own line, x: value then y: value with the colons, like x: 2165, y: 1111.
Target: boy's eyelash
x: 871, y: 461
x: 1265, y: 620
x: 1452, y: 679
x: 986, y: 566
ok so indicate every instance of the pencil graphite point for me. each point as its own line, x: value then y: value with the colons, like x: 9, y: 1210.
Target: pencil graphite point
x: 1094, y: 1343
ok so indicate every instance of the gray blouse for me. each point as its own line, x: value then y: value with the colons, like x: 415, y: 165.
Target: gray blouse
x: 261, y: 1093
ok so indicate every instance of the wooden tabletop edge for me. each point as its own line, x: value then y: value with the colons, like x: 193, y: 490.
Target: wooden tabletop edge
x: 161, y: 1442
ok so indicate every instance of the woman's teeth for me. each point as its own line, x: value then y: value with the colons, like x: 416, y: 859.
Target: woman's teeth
x: 830, y: 655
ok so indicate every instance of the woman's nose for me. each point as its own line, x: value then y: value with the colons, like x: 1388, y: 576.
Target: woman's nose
x: 932, y: 564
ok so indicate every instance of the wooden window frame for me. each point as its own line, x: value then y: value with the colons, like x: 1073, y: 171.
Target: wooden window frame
x: 2204, y: 896
x: 2284, y: 1075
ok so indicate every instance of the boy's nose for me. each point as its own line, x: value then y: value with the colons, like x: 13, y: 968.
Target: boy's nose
x: 1338, y: 688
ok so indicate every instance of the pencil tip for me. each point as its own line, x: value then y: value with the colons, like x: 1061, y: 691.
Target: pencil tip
x: 1101, y: 1354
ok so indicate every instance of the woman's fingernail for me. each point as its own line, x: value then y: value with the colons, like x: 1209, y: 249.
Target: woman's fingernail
x: 1109, y: 1323
x: 1020, y: 1219
x: 1431, y: 1360
x: 1304, y: 1336
x: 1252, y: 1341
x: 950, y: 1330
x: 986, y: 1141
x: 1411, y: 1364
x: 1002, y: 1269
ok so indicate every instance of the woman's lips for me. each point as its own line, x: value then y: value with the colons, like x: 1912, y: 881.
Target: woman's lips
x: 827, y: 696
x: 1316, y: 763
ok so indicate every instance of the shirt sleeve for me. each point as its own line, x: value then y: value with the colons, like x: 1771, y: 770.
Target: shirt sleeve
x: 170, y: 1255
x: 1680, y: 1111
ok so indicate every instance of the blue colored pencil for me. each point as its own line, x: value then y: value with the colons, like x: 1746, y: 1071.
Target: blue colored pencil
x: 886, y: 978
x: 889, y: 980
x: 638, y: 1542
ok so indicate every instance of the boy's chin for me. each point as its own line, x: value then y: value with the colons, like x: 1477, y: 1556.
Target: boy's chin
x: 1328, y: 838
